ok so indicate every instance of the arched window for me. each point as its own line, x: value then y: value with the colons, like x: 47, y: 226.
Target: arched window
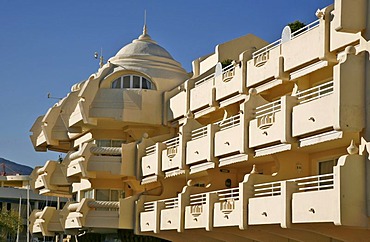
x: 133, y: 82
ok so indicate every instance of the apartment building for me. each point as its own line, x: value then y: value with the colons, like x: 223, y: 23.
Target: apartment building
x: 261, y: 142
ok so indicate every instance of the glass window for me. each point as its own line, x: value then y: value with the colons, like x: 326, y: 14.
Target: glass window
x: 326, y: 167
x: 102, y: 195
x: 126, y: 82
x: 116, y: 83
x: 88, y: 194
x: 132, y: 81
x: 136, y: 82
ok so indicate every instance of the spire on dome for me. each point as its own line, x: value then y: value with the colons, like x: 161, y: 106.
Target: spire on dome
x: 145, y: 36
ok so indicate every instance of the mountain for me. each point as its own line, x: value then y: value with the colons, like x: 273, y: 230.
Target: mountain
x: 12, y: 168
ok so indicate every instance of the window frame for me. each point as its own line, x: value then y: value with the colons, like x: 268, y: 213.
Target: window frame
x: 120, y: 82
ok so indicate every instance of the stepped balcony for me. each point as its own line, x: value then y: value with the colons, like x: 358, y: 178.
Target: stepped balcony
x: 271, y: 126
x: 230, y: 82
x: 314, y: 199
x: 173, y: 156
x: 90, y: 213
x: 315, y: 110
x: 200, y: 149
x: 266, y: 65
x: 46, y: 222
x: 314, y: 36
x: 231, y: 140
x: 329, y: 111
x: 202, y: 96
x: 92, y: 160
x: 50, y: 180
x: 160, y: 215
x: 177, y: 102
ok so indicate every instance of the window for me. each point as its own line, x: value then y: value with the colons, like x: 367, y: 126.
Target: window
x: 326, y: 167
x: 132, y: 81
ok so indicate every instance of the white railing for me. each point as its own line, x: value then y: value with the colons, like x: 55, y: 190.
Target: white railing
x: 262, y: 55
x: 227, y: 194
x: 267, y: 48
x: 150, y: 150
x: 305, y: 29
x: 204, y: 80
x: 198, y: 199
x: 320, y: 182
x: 172, y: 143
x: 311, y: 183
x: 229, y: 122
x: 228, y: 72
x: 199, y: 133
x: 171, y: 202
x: 317, y: 92
x: 267, y: 189
x: 267, y: 109
x: 149, y: 206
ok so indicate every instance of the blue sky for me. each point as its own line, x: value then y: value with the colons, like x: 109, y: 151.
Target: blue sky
x: 47, y: 46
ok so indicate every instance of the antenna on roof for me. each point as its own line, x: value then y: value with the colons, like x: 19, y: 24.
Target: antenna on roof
x: 96, y: 55
x: 51, y: 97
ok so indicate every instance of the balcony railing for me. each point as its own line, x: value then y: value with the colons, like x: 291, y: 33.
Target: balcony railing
x: 109, y: 151
x: 262, y: 55
x: 204, y: 80
x: 267, y: 189
x: 229, y: 122
x: 149, y: 206
x: 316, y: 92
x: 172, y: 143
x: 305, y: 29
x: 199, y: 133
x: 312, y: 183
x: 228, y: 72
x: 266, y: 113
x: 150, y: 150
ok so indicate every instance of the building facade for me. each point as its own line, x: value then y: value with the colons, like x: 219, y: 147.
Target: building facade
x: 262, y: 142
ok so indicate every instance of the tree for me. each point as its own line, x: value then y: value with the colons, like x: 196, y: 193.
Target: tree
x: 296, y: 25
x: 9, y: 222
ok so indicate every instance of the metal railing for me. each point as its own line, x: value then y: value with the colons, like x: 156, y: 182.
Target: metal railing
x: 227, y: 194
x: 228, y: 72
x: 267, y: 109
x: 204, y: 80
x: 312, y: 183
x: 199, y: 133
x: 305, y: 29
x: 171, y: 203
x: 262, y: 55
x: 267, y: 189
x: 149, y: 206
x: 172, y: 143
x: 229, y: 122
x: 316, y: 92
x: 150, y: 150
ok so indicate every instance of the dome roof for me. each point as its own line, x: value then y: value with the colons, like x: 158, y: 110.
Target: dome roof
x: 143, y: 46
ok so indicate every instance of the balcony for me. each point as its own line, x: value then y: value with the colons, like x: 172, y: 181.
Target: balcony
x: 266, y: 65
x: 173, y: 155
x: 314, y: 199
x: 202, y: 96
x: 315, y: 110
x: 231, y: 140
x: 312, y: 36
x: 152, y: 160
x: 199, y: 149
x: 271, y: 203
x: 177, y: 105
x: 101, y: 214
x: 50, y: 180
x: 228, y: 208
x: 45, y: 222
x: 271, y: 126
x: 230, y: 82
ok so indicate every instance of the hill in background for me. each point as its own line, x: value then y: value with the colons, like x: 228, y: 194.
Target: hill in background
x: 12, y: 168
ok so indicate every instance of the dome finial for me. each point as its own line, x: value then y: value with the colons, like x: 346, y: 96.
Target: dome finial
x: 145, y: 36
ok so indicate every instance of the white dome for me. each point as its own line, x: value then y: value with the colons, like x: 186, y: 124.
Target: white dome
x: 143, y: 46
